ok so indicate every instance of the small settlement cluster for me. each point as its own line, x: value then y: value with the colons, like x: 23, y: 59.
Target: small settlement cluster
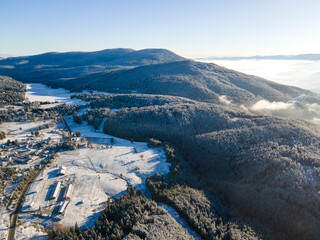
x: 66, y: 194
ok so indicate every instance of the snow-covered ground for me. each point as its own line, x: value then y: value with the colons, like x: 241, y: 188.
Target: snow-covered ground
x: 21, y: 130
x: 30, y: 231
x: 4, y: 223
x: 96, y: 173
x: 43, y: 93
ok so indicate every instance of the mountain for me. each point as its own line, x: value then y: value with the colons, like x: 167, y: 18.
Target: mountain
x: 156, y: 71
x: 191, y: 79
x: 55, y: 66
x: 309, y: 57
x: 119, y: 56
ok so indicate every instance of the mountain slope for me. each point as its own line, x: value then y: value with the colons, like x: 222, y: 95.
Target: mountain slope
x: 267, y: 168
x: 11, y: 91
x: 151, y: 71
x: 191, y: 79
x: 55, y: 66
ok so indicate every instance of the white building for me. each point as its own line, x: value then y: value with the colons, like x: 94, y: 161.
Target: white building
x: 68, y: 192
x: 56, y: 191
x: 63, y: 207
x: 62, y: 171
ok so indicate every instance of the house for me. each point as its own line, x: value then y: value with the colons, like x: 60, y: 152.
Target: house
x: 56, y: 190
x: 62, y: 171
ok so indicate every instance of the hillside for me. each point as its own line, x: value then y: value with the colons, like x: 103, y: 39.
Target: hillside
x: 194, y: 80
x: 266, y: 168
x: 261, y: 168
x: 58, y: 66
x: 11, y: 91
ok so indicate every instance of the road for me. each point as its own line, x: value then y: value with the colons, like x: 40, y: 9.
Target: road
x: 15, y: 213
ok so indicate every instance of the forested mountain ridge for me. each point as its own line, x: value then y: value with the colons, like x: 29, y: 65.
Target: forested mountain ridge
x: 60, y: 66
x: 266, y: 168
x: 151, y: 71
x: 11, y: 91
x: 194, y: 80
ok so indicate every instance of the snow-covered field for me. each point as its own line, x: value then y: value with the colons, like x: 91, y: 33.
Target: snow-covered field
x: 96, y: 173
x: 42, y: 93
x: 4, y: 223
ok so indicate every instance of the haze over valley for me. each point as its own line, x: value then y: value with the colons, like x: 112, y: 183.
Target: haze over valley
x: 303, y: 73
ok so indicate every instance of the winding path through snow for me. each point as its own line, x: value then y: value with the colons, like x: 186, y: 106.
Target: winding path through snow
x: 180, y: 220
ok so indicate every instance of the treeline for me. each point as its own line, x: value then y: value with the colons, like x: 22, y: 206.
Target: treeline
x: 2, y: 135
x: 193, y: 205
x: 93, y: 117
x: 22, y: 184
x: 129, y: 216
x: 11, y: 91
x: 117, y: 101
x: 28, y: 112
x: 6, y: 172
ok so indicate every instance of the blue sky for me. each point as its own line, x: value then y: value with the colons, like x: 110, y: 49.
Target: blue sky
x: 189, y: 28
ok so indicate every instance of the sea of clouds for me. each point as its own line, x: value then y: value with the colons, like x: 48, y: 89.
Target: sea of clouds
x: 299, y: 73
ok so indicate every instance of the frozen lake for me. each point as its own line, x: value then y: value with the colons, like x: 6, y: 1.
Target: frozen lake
x: 299, y: 73
x: 40, y: 92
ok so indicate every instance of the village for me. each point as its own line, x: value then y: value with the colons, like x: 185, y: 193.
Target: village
x: 30, y: 140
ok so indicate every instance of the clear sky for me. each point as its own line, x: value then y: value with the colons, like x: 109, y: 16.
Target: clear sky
x: 190, y: 28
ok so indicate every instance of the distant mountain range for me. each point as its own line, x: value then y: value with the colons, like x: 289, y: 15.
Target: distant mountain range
x: 310, y: 57
x: 156, y: 71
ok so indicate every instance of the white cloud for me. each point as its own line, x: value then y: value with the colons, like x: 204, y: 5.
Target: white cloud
x: 266, y: 105
x: 224, y: 99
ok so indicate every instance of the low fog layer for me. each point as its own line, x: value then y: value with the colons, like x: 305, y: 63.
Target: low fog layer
x: 299, y: 73
x: 297, y: 108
